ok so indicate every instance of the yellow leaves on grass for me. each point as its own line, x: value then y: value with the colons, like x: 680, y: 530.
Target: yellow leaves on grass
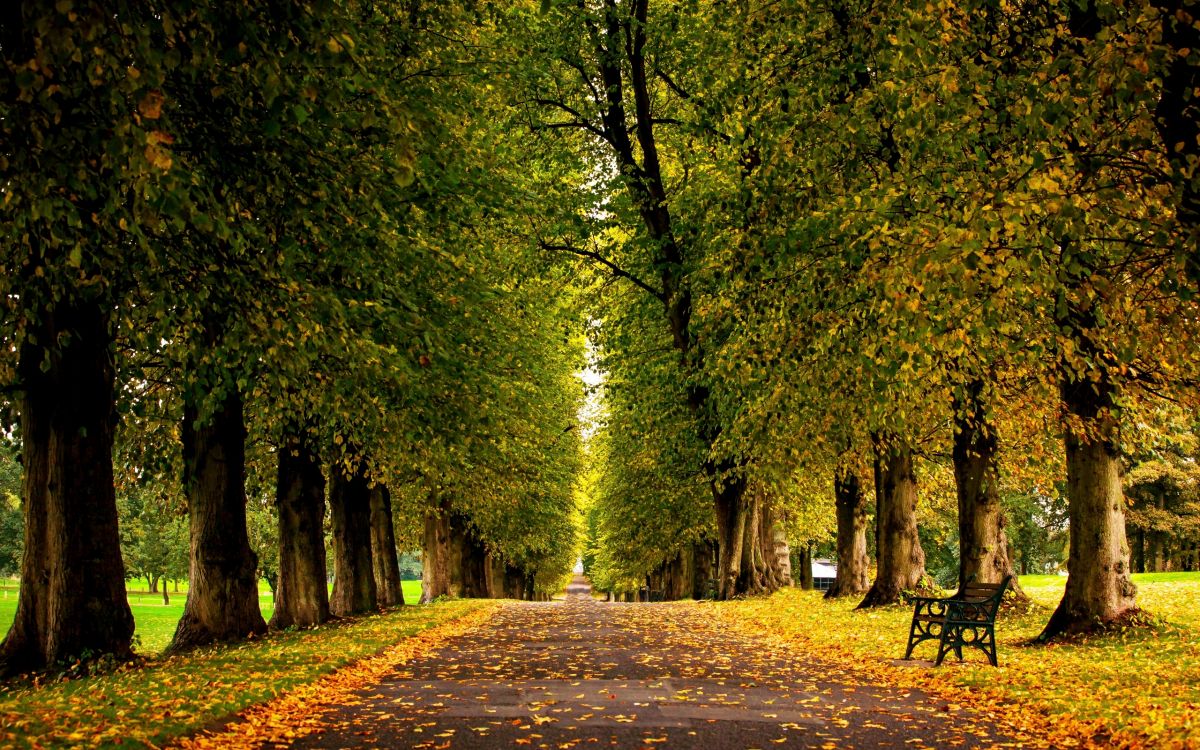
x: 148, y: 704
x: 299, y: 712
x: 1137, y: 689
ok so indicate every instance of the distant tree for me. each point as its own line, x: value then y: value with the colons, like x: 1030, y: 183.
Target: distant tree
x: 1037, y: 530
x: 1164, y: 514
x: 12, y: 525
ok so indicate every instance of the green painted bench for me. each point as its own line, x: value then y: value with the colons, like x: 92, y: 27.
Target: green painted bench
x: 966, y: 619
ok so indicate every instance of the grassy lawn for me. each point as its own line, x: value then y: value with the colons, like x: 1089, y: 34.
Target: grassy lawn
x: 154, y: 622
x: 1143, y: 684
x: 165, y: 698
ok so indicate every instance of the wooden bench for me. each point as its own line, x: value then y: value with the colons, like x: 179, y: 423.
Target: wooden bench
x: 966, y: 619
x: 647, y: 594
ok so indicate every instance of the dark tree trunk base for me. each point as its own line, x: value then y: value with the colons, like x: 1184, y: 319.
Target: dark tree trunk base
x: 72, y: 597
x: 303, y: 597
x: 222, y: 603
x: 901, y: 559
x: 850, y: 504
x: 354, y: 589
x: 383, y: 549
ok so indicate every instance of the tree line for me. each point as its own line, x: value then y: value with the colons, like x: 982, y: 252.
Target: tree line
x: 277, y: 244
x: 823, y: 251
x: 857, y: 242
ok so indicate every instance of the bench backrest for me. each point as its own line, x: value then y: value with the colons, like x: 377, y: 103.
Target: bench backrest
x: 988, y: 594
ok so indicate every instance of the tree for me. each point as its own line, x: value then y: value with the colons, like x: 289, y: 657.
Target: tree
x: 81, y: 165
x: 12, y: 526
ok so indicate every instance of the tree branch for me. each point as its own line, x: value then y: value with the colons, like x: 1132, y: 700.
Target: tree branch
x: 579, y: 118
x: 616, y: 270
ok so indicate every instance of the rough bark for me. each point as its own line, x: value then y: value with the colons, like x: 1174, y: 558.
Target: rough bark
x: 435, y: 553
x: 472, y: 557
x: 706, y: 567
x: 682, y: 583
x: 877, y: 474
x: 302, y: 596
x: 675, y: 577
x: 982, y: 542
x: 1099, y: 591
x: 514, y: 582
x: 731, y: 510
x: 72, y: 595
x: 383, y: 549
x: 850, y: 506
x: 222, y: 601
x: 494, y: 570
x: 765, y: 555
x: 354, y: 588
x: 805, y: 559
x: 901, y: 560
x: 1139, y: 552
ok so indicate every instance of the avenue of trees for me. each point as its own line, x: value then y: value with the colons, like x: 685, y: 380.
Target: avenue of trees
x: 865, y: 250
x: 268, y: 251
x: 337, y: 265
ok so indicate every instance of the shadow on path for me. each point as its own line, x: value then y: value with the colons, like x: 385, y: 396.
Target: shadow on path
x: 581, y: 673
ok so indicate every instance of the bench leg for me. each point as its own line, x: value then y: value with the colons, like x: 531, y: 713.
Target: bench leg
x: 913, y: 640
x: 989, y: 647
x: 944, y: 645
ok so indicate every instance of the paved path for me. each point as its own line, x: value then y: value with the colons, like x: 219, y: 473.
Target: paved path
x: 586, y: 674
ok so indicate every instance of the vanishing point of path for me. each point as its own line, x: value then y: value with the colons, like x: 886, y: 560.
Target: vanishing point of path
x: 586, y: 674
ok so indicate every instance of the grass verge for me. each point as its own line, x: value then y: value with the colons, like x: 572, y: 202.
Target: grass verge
x: 154, y: 622
x: 1135, y: 688
x: 165, y: 699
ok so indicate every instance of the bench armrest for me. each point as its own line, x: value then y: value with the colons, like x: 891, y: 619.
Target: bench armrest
x: 928, y: 605
x: 928, y: 598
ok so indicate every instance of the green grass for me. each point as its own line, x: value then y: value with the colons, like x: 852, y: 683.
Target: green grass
x: 150, y: 704
x: 154, y: 622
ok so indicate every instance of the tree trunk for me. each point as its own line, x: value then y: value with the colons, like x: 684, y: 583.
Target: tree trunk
x: 383, y: 548
x: 706, y: 568
x: 302, y: 598
x: 731, y: 511
x: 514, y: 582
x: 1139, y: 552
x: 354, y: 588
x: 901, y: 559
x: 72, y: 595
x: 153, y: 582
x: 877, y: 474
x: 472, y: 564
x: 455, y: 556
x: 778, y: 543
x: 222, y: 600
x: 1155, y: 551
x: 435, y: 553
x: 850, y: 506
x: 982, y: 543
x: 494, y: 570
x: 806, y: 563
x: 1099, y: 591
x: 679, y: 575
